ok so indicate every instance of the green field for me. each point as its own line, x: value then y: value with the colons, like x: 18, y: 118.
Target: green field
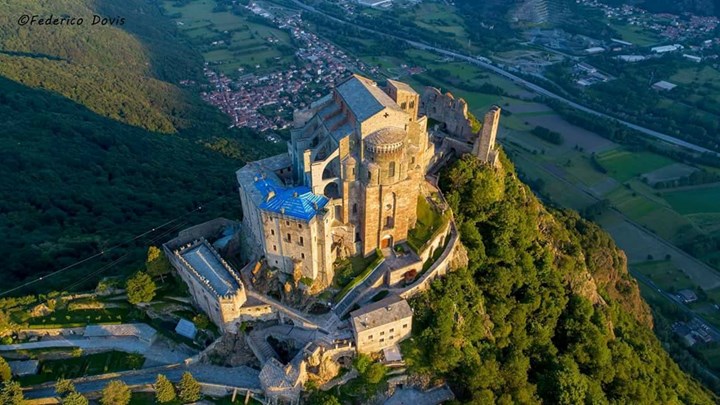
x: 698, y: 75
x: 623, y: 165
x: 92, y: 364
x: 665, y: 275
x: 429, y: 221
x: 68, y: 319
x: 636, y: 35
x: 697, y: 200
x: 231, y: 41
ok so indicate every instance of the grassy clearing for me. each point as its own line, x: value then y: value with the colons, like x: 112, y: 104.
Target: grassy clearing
x: 92, y: 364
x: 429, y: 222
x: 695, y: 201
x: 347, y: 271
x: 636, y: 35
x: 623, y: 165
x: 665, y: 275
x: 70, y: 319
x: 378, y: 259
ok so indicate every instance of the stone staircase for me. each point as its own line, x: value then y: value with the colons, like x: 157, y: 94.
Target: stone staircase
x: 260, y: 347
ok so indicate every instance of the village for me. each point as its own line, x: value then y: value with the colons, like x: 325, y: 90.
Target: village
x: 265, y: 102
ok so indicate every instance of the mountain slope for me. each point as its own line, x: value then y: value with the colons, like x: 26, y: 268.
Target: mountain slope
x: 127, y: 72
x: 545, y: 311
x: 84, y: 160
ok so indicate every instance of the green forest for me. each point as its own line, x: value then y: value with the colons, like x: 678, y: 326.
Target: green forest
x: 100, y: 144
x: 545, y: 312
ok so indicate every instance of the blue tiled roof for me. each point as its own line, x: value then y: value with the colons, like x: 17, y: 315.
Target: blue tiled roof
x: 297, y: 202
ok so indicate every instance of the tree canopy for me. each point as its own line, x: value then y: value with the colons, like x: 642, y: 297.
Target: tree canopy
x: 140, y: 288
x: 189, y: 388
x: 116, y: 392
x: 545, y: 310
x: 5, y: 372
x: 164, y: 390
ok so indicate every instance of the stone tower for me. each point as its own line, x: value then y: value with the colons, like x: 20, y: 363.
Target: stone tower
x: 484, y: 147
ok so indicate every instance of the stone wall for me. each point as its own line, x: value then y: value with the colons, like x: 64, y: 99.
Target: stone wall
x: 448, y: 110
x: 440, y: 268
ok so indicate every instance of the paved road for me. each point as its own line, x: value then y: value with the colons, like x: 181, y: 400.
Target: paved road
x: 156, y: 353
x: 241, y: 377
x: 519, y: 80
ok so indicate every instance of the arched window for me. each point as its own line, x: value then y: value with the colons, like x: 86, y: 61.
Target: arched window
x: 392, y: 169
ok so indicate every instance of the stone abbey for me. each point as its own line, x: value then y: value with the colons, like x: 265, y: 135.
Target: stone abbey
x: 350, y: 181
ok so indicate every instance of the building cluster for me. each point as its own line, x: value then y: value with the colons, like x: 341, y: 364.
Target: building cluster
x: 692, y: 332
x: 247, y: 99
x: 348, y: 185
x: 672, y: 27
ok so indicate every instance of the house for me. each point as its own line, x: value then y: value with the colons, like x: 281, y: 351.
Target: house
x: 662, y: 85
x: 186, y: 328
x: 687, y: 296
x: 381, y: 324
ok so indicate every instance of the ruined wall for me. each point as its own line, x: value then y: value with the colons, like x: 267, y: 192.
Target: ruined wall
x: 448, y: 110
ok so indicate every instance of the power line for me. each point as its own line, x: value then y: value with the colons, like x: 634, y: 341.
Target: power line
x: 111, y: 264
x: 119, y: 259
x: 105, y: 251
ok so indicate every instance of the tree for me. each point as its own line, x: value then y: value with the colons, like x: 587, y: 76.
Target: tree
x: 64, y: 386
x: 75, y: 398
x: 323, y: 398
x: 116, y: 392
x: 189, y: 388
x: 201, y: 321
x: 5, y: 372
x: 156, y: 264
x: 140, y: 288
x: 164, y: 390
x: 375, y: 373
x: 11, y: 393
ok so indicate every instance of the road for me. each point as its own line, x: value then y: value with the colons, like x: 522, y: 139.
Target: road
x: 633, y: 238
x: 715, y: 332
x: 520, y: 81
x: 157, y: 353
x: 240, y: 377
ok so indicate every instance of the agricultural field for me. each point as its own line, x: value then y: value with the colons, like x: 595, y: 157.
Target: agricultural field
x: 695, y: 200
x: 232, y: 40
x: 624, y: 165
x: 665, y: 275
x: 636, y: 35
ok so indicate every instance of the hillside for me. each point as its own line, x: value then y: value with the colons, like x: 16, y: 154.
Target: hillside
x: 85, y: 160
x: 546, y: 311
x: 129, y: 72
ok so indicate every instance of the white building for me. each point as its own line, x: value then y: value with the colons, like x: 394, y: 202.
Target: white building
x: 667, y: 48
x: 374, y: 3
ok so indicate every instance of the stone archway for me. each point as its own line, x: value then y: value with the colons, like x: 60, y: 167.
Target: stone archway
x: 386, y: 242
